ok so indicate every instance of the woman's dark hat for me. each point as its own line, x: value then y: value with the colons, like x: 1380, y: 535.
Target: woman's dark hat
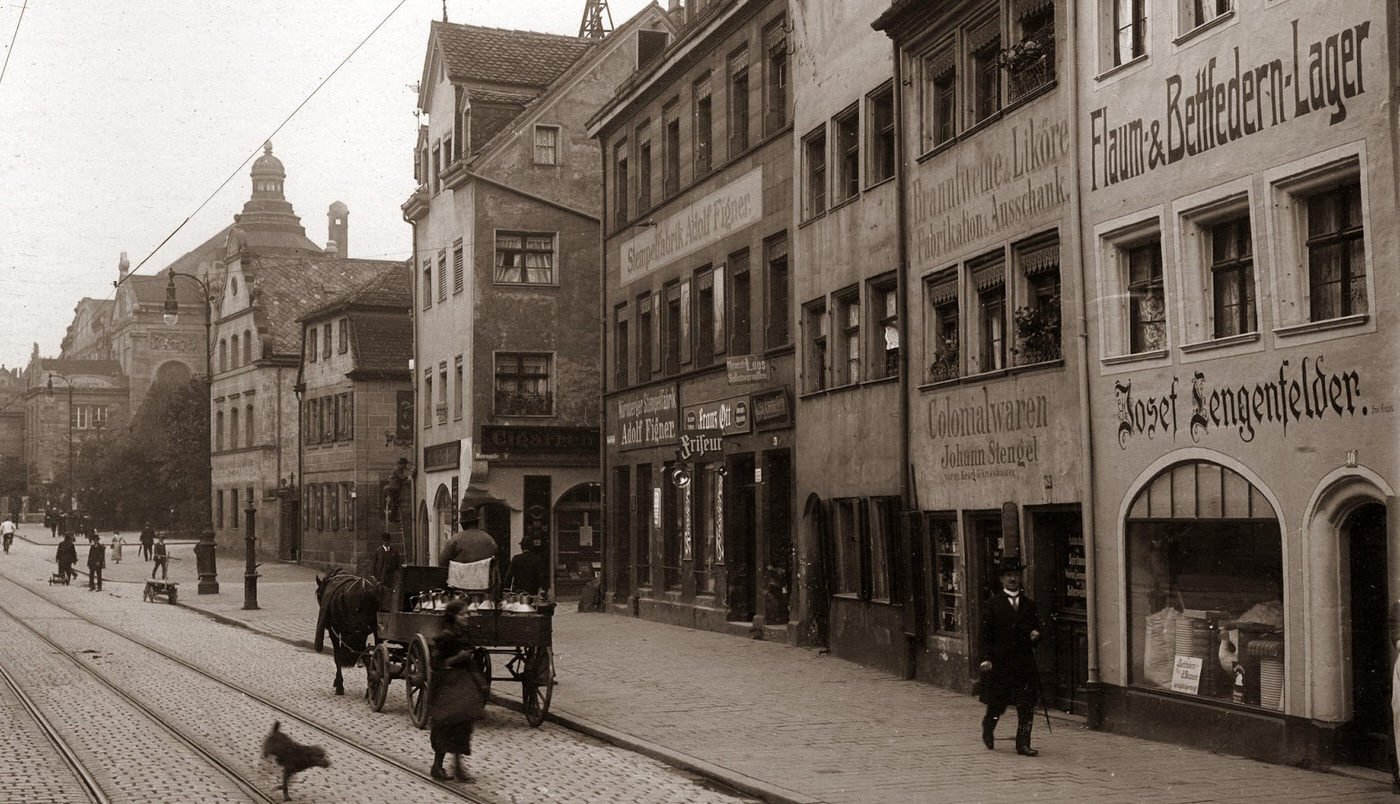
x: 1010, y: 564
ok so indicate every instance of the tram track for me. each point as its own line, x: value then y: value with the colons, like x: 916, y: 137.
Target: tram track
x: 283, y: 713
x: 89, y: 784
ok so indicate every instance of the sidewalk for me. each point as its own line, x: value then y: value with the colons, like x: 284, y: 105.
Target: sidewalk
x: 793, y: 725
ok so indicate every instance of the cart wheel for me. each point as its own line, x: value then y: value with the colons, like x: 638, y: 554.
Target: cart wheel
x: 418, y: 675
x: 377, y: 677
x: 537, y: 684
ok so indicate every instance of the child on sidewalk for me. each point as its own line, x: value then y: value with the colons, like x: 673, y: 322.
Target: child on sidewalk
x: 116, y: 547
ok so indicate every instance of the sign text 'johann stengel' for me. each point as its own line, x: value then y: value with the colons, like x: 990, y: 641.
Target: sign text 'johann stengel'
x: 1302, y: 393
x: 1231, y: 98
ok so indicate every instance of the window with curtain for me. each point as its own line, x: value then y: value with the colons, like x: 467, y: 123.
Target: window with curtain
x: 525, y: 258
x: 1336, y: 253
x: 523, y: 385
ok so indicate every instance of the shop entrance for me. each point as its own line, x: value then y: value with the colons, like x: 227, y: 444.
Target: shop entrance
x: 444, y: 516
x: 1369, y: 738
x: 578, y: 550
x: 288, y: 528
x: 620, y: 540
x: 778, y: 526
x: 739, y: 535
x: 1058, y: 585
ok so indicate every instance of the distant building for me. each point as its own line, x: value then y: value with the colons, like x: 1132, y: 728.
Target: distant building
x: 67, y: 402
x: 265, y: 278
x: 356, y: 393
x: 505, y: 224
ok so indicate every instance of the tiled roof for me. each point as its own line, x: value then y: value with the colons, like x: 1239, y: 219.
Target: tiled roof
x: 507, y: 98
x: 502, y: 56
x: 381, y: 342
x: 389, y: 288
x: 286, y: 288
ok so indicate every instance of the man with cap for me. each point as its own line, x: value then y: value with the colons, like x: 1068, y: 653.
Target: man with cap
x: 1009, y: 634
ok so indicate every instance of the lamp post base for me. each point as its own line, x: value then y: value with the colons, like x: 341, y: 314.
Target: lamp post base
x: 250, y: 591
x: 208, y: 586
x: 207, y: 568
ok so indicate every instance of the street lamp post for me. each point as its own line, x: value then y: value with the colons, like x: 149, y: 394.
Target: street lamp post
x: 204, y: 551
x: 48, y: 394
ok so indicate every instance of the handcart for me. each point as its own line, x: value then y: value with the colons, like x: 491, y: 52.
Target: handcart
x: 414, y: 617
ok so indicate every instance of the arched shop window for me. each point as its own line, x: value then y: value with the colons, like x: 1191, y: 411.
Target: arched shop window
x: 1205, y: 587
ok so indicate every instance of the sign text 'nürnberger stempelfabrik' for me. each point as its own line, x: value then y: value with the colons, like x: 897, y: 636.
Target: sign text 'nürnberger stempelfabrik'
x: 719, y: 214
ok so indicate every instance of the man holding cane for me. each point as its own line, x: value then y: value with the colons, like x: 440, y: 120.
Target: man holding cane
x: 1010, y: 632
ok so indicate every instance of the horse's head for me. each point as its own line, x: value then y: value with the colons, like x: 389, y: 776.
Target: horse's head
x: 321, y: 582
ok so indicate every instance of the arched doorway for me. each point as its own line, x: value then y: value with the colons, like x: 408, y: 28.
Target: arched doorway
x: 172, y: 373
x: 423, y: 553
x: 444, y: 515
x: 1363, y: 534
x: 578, y: 546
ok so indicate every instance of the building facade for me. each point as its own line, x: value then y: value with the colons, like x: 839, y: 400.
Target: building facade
x: 66, y: 403
x: 698, y: 402
x: 994, y: 418
x: 356, y: 395
x: 507, y: 280
x: 259, y: 293
x: 850, y: 414
x: 1237, y: 168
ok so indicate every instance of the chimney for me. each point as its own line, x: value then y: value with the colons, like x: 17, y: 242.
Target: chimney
x: 338, y: 229
x: 676, y: 12
x: 123, y: 265
x: 331, y: 249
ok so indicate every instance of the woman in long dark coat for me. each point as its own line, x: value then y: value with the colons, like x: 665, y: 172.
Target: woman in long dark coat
x: 66, y: 556
x: 458, y: 695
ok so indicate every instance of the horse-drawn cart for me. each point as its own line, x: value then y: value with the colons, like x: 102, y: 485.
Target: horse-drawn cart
x: 404, y: 650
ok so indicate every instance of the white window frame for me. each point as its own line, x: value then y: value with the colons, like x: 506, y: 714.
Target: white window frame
x: 1289, y: 187
x: 1195, y: 215
x: 933, y: 324
x: 972, y: 351
x: 1112, y: 241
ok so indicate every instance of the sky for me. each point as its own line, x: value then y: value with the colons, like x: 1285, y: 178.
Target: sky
x: 118, y: 120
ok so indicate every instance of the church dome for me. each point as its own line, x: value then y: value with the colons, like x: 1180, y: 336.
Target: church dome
x: 267, y: 165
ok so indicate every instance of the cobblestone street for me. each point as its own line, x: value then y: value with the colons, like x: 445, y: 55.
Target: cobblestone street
x: 778, y: 722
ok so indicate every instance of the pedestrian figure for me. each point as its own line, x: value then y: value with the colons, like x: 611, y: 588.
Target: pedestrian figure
x: 96, y: 562
x: 162, y: 558
x: 386, y: 561
x: 472, y: 544
x: 529, y: 571
x: 7, y: 532
x: 457, y: 698
x: 1010, y: 632
x: 51, y: 522
x: 116, y: 547
x: 148, y: 541
x: 66, y: 556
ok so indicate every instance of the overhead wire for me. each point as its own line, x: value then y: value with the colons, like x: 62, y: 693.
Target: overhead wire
x: 11, y: 51
x: 239, y: 169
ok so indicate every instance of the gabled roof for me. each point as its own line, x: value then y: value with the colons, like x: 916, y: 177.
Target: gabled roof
x: 388, y: 289
x: 151, y: 289
x: 287, y: 287
x: 382, y: 343
x: 503, y: 56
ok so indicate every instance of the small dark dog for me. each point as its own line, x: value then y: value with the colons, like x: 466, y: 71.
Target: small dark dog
x: 292, y: 755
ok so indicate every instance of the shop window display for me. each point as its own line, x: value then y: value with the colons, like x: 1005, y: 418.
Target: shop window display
x: 1205, y: 577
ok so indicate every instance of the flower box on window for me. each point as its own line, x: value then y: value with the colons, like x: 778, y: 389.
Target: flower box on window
x: 1037, y: 333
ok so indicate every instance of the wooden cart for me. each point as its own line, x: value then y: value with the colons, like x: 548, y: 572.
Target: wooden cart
x: 404, y: 649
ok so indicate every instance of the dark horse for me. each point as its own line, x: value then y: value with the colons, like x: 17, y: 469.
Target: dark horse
x: 348, y: 606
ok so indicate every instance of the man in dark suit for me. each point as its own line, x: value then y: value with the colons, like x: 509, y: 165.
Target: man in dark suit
x: 1010, y: 632
x: 386, y: 561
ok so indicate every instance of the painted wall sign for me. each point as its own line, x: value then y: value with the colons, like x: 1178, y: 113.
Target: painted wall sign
x: 747, y: 369
x: 646, y: 418
x: 724, y: 416
x: 991, y: 191
x: 1227, y: 99
x: 989, y: 438
x: 772, y: 409
x: 538, y: 440
x: 442, y: 456
x: 1300, y: 394
x: 719, y: 214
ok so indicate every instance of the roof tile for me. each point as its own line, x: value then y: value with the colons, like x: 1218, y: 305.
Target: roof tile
x: 503, y: 56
